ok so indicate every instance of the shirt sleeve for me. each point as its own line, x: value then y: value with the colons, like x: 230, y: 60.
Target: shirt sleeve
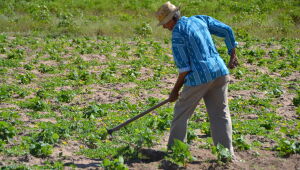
x: 222, y: 30
x: 180, y: 52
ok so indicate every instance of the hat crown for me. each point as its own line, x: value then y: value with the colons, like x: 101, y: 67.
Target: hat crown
x: 165, y: 10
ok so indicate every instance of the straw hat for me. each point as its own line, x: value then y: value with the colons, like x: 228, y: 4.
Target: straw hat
x: 165, y: 13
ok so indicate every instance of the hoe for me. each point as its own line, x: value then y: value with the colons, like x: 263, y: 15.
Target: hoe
x: 110, y: 131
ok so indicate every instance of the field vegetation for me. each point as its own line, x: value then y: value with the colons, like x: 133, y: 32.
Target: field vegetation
x: 70, y: 70
x: 258, y: 18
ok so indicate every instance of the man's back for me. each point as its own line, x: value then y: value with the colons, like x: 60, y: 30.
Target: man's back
x: 194, y: 50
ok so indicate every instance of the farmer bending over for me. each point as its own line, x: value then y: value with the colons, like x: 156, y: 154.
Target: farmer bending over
x: 201, y: 70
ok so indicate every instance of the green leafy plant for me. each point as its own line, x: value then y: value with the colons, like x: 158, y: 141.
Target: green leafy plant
x: 15, y: 167
x: 7, y: 131
x: 28, y: 66
x: 91, y: 140
x: 41, y: 149
x: 296, y: 100
x: 16, y: 54
x: 287, y: 147
x: 93, y: 111
x: 80, y: 75
x: 26, y: 78
x: 180, y: 153
x: 191, y: 135
x: 116, y: 164
x: 143, y: 137
x: 47, y: 135
x: 35, y: 104
x: 240, y: 143
x: 45, y: 69
x: 66, y: 96
x: 5, y: 92
x: 223, y: 154
x: 205, y: 128
x: 42, y: 93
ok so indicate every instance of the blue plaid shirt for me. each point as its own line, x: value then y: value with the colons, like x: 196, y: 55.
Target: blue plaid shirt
x: 194, y: 49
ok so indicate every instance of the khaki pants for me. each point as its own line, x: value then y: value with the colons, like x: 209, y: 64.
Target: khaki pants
x: 214, y: 94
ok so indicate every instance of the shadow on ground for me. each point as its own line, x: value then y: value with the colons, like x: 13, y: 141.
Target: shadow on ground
x: 82, y: 165
x: 150, y: 155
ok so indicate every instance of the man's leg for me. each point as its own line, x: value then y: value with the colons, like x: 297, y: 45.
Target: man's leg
x: 218, y: 110
x: 184, y: 108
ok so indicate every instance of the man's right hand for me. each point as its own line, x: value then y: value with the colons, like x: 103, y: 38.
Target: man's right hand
x: 175, y: 91
x: 173, y: 96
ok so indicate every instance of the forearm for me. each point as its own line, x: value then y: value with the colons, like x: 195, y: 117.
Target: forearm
x: 180, y: 81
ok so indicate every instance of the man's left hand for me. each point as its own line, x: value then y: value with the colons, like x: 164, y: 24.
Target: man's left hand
x: 233, y: 62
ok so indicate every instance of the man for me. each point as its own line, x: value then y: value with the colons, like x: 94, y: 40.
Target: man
x: 201, y: 70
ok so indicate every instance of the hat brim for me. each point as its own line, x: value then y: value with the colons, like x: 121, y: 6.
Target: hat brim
x: 168, y: 18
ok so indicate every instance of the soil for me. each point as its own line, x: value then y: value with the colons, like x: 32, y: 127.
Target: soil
x: 251, y: 159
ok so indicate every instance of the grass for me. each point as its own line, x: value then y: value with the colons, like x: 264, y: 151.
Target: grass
x: 110, y: 18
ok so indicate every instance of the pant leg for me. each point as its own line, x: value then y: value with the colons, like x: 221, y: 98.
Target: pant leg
x: 184, y: 108
x: 218, y: 110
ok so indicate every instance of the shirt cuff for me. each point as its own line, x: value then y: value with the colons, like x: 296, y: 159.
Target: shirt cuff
x: 184, y: 69
x: 235, y: 44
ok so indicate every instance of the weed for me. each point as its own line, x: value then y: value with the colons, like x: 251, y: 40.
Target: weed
x: 5, y: 92
x: 7, y: 131
x: 296, y: 100
x: 191, y: 136
x: 45, y: 69
x: 43, y: 94
x: 144, y: 137
x: 66, y: 96
x: 16, y: 54
x: 35, y: 104
x: 287, y: 147
x: 180, y: 153
x: 26, y: 78
x: 46, y: 136
x: 93, y: 111
x: 116, y: 164
x: 240, y: 143
x: 41, y: 149
x: 223, y: 154
x: 291, y: 132
x: 16, y: 167
x: 28, y: 66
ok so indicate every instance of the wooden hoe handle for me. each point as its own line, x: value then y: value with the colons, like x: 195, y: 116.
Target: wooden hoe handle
x: 110, y: 131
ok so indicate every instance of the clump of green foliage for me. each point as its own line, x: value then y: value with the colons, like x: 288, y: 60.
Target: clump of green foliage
x: 41, y: 149
x: 287, y: 147
x: 223, y: 154
x: 7, y: 131
x: 240, y: 143
x: 296, y: 100
x: 180, y: 153
x: 116, y: 164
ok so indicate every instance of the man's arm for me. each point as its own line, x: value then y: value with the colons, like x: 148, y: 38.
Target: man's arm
x: 175, y: 92
x: 220, y: 29
x: 233, y: 62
